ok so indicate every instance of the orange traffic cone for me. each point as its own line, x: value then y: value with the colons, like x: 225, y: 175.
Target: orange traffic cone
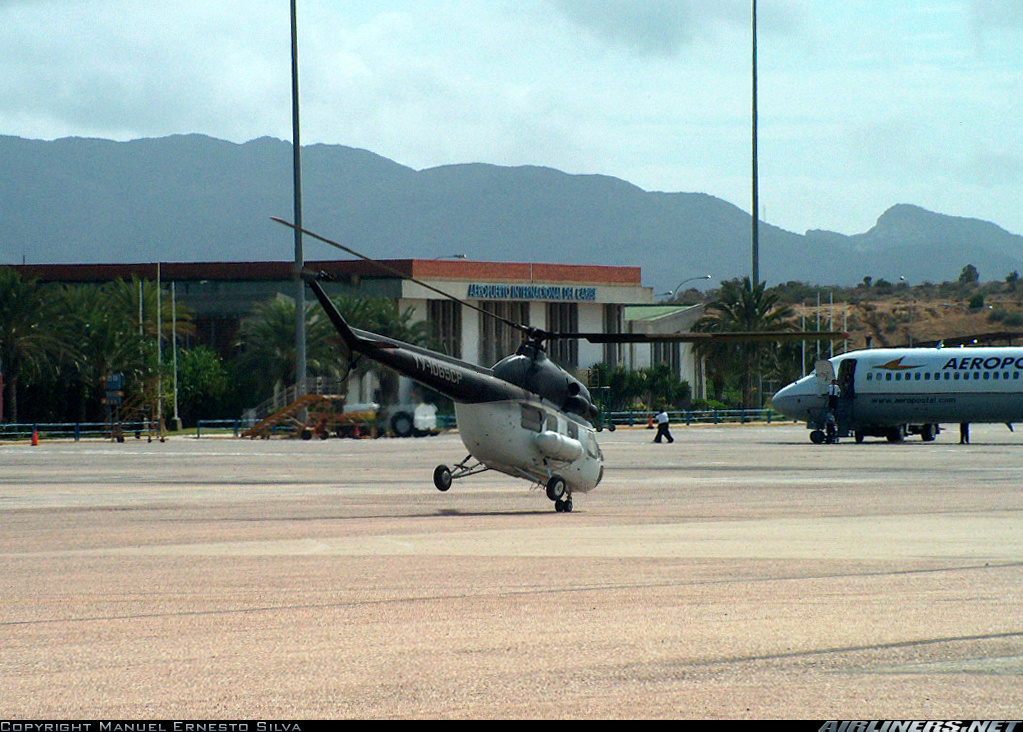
x: 35, y: 436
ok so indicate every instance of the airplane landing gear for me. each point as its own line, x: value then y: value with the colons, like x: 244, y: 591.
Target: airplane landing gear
x: 564, y: 506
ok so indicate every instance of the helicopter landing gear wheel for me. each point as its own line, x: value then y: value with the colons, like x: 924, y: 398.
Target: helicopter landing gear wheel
x: 556, y: 488
x: 442, y: 477
x: 564, y: 506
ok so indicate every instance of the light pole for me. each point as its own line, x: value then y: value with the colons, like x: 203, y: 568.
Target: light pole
x: 300, y: 355
x: 673, y: 293
x: 755, y: 174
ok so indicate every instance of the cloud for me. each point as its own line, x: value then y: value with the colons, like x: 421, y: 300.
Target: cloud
x: 122, y: 68
x: 645, y: 27
x: 664, y: 28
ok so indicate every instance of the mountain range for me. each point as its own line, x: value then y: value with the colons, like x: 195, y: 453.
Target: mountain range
x: 191, y: 198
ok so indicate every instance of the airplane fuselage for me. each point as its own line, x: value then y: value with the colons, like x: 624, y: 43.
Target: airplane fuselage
x: 887, y: 388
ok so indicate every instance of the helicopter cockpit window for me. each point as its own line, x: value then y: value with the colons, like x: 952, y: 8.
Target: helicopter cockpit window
x: 532, y: 418
x: 573, y: 430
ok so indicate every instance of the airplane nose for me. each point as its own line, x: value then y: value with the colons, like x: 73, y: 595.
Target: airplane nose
x: 783, y: 402
x: 796, y: 402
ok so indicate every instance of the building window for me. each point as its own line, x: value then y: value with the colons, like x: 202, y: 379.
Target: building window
x: 613, y: 324
x: 446, y: 316
x: 563, y: 317
x: 497, y: 338
x: 667, y: 353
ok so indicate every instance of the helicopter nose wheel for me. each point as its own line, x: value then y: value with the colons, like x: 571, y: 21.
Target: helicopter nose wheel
x: 556, y: 488
x: 442, y: 477
x: 557, y: 492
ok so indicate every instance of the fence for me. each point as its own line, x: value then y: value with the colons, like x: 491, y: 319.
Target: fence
x: 77, y: 430
x: 706, y: 416
x: 235, y: 426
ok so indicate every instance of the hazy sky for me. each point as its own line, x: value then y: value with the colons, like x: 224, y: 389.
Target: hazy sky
x: 862, y: 104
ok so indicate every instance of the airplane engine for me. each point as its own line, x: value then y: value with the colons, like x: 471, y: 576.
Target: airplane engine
x: 558, y: 447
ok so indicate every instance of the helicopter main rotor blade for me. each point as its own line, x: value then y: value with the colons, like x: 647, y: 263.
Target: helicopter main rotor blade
x: 531, y: 332
x: 695, y: 337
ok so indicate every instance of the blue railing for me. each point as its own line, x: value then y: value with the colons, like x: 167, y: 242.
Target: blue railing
x: 222, y: 425
x: 695, y: 416
x: 77, y: 430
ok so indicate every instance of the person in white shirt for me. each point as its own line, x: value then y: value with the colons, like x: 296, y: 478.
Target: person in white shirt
x: 662, y: 427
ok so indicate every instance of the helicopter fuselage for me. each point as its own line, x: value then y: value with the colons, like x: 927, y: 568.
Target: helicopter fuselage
x: 526, y: 417
x: 531, y: 440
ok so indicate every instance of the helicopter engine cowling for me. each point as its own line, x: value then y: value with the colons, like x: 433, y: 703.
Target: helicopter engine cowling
x: 558, y: 447
x: 530, y: 369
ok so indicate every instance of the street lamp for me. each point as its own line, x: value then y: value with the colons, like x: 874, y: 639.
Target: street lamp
x: 673, y: 293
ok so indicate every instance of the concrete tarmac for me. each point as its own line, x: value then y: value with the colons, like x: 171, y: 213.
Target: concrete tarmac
x: 740, y: 572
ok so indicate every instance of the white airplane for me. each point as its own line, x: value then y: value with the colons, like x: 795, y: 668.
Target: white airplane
x: 894, y: 392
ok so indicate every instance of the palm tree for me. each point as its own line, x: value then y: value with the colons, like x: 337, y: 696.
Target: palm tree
x: 267, y: 340
x: 28, y: 337
x: 102, y: 339
x: 124, y: 295
x: 741, y: 306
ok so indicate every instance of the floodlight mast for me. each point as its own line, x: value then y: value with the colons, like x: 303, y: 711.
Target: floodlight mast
x: 300, y: 354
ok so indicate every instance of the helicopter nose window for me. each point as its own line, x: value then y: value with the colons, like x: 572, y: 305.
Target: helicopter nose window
x: 532, y: 418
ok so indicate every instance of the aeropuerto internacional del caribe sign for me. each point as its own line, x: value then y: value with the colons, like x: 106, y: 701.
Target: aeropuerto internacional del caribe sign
x: 531, y: 292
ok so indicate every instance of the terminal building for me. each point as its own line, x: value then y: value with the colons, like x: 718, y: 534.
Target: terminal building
x: 554, y: 297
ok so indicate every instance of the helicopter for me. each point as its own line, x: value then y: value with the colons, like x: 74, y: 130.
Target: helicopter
x: 526, y: 416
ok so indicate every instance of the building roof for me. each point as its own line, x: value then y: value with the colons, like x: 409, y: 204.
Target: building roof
x: 435, y: 269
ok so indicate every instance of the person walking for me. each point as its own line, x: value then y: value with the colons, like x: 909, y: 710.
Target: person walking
x: 662, y: 427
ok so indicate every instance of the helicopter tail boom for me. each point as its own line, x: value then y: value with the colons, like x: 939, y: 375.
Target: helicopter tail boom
x: 455, y: 379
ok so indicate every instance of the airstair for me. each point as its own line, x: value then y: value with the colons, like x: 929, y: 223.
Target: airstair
x: 313, y: 411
